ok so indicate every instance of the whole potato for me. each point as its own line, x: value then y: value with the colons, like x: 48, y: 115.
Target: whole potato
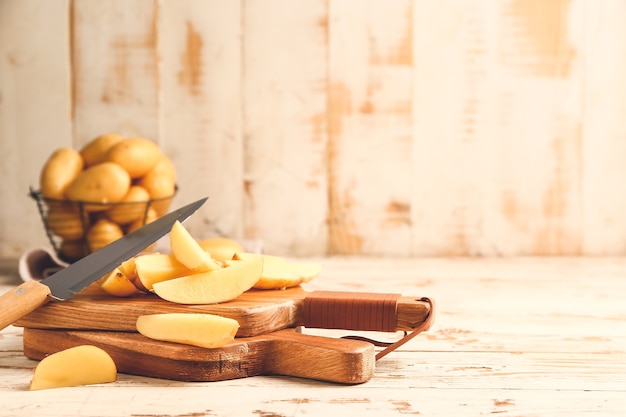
x: 165, y: 167
x: 161, y: 188
x: 136, y: 155
x: 96, y: 150
x: 73, y: 250
x: 102, y: 183
x: 59, y: 171
x: 151, y: 216
x: 103, y: 232
x: 64, y: 221
x: 130, y: 208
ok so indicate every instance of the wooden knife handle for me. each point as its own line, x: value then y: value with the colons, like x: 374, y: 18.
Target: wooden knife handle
x: 22, y: 300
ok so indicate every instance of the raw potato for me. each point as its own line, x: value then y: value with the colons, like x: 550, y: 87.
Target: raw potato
x: 160, y: 183
x: 80, y: 365
x: 151, y: 216
x: 128, y: 181
x: 73, y: 250
x: 136, y: 155
x: 163, y: 167
x: 188, y: 252
x: 212, y: 287
x: 220, y: 248
x: 59, y: 172
x: 157, y: 267
x: 278, y: 273
x: 197, y: 329
x: 64, y: 221
x: 130, y: 208
x: 117, y: 284
x: 101, y: 233
x: 103, y: 183
x: 129, y: 269
x: 96, y: 150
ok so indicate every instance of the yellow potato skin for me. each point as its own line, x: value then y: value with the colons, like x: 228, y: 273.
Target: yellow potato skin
x: 95, y: 151
x: 64, y: 221
x: 164, y: 166
x: 59, y: 171
x: 79, y: 365
x: 102, y: 183
x: 151, y: 216
x: 73, y: 250
x: 103, y: 232
x: 136, y: 155
x: 132, y: 207
x: 117, y: 284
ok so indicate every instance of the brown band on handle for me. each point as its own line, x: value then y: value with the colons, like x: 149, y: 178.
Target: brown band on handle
x: 350, y: 311
x: 408, y: 336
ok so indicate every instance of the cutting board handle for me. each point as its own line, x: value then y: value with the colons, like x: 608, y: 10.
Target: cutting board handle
x: 321, y: 358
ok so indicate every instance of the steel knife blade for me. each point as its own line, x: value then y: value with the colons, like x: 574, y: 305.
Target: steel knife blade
x: 28, y: 296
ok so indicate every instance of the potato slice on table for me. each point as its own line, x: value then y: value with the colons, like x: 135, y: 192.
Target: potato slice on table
x: 80, y: 365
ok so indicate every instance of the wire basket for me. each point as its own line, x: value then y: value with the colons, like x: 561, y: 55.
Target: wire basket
x: 78, y: 228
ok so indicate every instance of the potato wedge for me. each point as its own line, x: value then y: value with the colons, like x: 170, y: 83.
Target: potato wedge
x: 157, y: 267
x: 279, y: 273
x: 197, y: 329
x: 80, y: 365
x: 212, y: 287
x: 188, y: 252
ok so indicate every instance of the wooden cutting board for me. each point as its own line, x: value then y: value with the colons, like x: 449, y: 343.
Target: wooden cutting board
x: 257, y: 311
x: 267, y: 342
x: 284, y: 352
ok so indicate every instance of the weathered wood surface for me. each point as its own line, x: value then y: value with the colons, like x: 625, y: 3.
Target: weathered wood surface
x: 521, y: 336
x: 321, y: 127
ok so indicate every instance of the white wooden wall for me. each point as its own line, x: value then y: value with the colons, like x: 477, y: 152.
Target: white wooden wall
x: 397, y: 127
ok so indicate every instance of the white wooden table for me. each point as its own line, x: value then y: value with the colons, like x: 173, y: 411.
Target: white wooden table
x: 519, y: 337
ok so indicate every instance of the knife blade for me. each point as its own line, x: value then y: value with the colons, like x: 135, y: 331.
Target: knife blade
x: 28, y: 296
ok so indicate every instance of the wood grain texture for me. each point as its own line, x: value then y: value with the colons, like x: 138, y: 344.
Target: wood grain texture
x: 370, y: 127
x: 114, y: 69
x: 257, y: 312
x: 285, y: 352
x: 201, y: 109
x: 400, y: 128
x: 519, y: 336
x: 22, y: 300
x: 35, y: 110
x: 284, y: 124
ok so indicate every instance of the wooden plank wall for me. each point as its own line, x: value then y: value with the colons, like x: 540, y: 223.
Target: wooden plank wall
x: 369, y: 127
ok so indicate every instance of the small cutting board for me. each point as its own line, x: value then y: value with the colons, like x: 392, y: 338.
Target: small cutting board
x: 285, y: 352
x: 257, y: 311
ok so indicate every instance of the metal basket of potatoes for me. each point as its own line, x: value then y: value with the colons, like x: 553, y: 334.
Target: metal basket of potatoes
x: 88, y: 198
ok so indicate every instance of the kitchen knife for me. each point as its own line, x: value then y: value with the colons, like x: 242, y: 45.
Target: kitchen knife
x: 30, y: 295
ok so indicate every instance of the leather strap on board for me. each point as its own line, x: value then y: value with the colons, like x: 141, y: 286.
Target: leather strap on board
x: 362, y: 312
x: 350, y: 311
x: 408, y: 336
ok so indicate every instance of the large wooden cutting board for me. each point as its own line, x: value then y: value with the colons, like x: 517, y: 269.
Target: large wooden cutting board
x: 284, y: 352
x: 257, y: 311
x: 267, y: 342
